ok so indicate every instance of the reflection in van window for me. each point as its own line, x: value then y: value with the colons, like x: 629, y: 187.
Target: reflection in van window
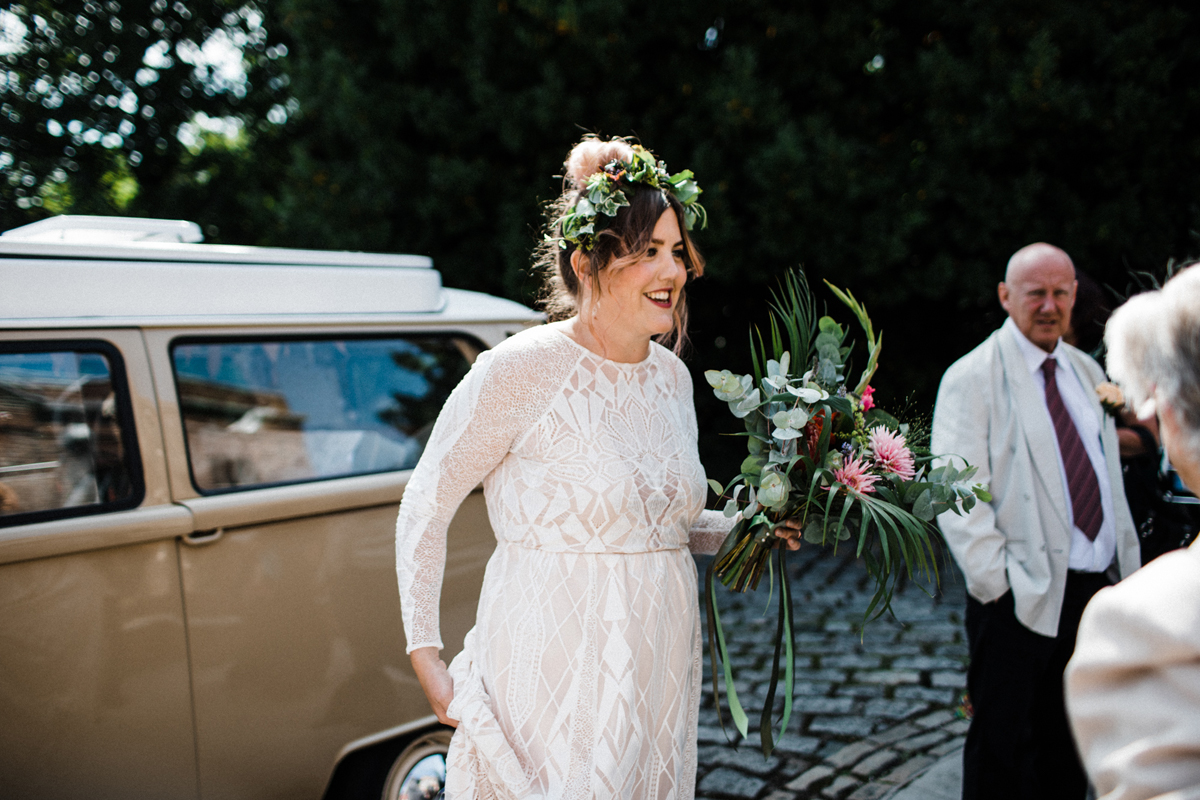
x: 260, y: 412
x: 60, y: 438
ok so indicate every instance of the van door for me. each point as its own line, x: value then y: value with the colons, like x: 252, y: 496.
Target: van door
x: 94, y: 685
x: 292, y: 452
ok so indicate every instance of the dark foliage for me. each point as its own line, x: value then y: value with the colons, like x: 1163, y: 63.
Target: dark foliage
x: 93, y: 96
x: 901, y: 149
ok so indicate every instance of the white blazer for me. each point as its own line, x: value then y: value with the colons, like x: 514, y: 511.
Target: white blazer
x: 1133, y: 685
x: 991, y: 412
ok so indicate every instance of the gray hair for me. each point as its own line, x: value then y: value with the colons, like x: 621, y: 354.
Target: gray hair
x: 1154, y: 352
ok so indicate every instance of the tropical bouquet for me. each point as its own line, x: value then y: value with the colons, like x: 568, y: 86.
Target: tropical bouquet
x: 820, y: 451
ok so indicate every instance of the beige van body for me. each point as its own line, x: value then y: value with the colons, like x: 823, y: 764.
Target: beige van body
x: 216, y: 616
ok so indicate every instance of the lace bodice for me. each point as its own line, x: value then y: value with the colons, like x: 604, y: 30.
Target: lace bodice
x: 577, y: 454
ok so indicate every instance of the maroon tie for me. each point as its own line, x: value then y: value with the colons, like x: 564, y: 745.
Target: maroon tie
x: 1081, y: 477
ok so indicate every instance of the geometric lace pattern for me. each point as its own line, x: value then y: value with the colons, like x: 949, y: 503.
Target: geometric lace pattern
x: 581, y: 677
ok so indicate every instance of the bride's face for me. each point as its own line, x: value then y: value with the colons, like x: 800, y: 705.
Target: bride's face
x: 639, y: 299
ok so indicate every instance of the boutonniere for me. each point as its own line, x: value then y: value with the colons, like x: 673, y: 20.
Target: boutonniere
x: 1111, y: 398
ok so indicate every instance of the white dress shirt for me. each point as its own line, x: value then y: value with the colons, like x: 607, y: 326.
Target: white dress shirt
x: 1086, y: 555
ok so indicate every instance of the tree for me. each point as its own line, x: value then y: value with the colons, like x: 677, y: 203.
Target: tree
x: 95, y: 97
x: 904, y: 150
x: 901, y: 149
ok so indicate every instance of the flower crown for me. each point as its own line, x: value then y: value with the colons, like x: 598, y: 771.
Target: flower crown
x: 603, y: 197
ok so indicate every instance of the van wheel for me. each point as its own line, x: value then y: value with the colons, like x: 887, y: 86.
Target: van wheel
x: 419, y: 772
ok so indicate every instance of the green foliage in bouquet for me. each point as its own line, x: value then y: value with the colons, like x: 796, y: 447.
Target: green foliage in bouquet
x: 820, y: 451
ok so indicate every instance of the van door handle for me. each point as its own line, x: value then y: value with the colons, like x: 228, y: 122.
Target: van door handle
x: 201, y: 538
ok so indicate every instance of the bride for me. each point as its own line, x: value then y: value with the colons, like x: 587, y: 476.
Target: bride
x: 581, y: 677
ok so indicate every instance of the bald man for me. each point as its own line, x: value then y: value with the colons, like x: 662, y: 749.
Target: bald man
x: 1022, y: 407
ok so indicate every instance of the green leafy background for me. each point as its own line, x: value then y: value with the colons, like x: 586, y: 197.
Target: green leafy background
x: 901, y: 149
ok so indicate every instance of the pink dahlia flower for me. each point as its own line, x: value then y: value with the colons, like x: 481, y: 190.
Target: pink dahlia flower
x: 853, y: 474
x: 891, y: 453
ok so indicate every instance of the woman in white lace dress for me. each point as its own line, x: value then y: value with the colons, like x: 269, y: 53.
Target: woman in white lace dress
x: 581, y: 677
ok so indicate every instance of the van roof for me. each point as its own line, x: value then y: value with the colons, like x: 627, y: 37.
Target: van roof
x: 139, y: 239
x: 77, y: 271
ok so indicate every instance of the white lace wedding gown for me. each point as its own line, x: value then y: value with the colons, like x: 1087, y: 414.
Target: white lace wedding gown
x: 581, y: 677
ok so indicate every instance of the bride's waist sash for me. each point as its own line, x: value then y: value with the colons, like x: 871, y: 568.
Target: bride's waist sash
x: 596, y: 548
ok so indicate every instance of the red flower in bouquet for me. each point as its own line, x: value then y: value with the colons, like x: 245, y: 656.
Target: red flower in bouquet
x: 867, y: 402
x: 812, y: 434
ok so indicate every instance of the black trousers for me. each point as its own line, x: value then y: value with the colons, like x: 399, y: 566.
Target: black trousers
x: 1019, y: 745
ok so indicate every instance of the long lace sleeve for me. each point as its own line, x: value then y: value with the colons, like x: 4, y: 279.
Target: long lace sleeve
x: 708, y: 532
x: 497, y: 400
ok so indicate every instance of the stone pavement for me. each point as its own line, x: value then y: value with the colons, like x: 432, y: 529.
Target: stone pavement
x: 871, y: 713
x: 942, y: 781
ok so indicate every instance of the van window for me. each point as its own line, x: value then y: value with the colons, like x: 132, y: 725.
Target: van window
x: 66, y: 434
x: 286, y: 410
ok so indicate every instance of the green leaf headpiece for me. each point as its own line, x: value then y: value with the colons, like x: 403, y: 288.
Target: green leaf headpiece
x: 603, y: 197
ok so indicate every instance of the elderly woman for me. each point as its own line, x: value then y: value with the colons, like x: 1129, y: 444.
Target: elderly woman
x: 581, y: 677
x: 1133, y: 685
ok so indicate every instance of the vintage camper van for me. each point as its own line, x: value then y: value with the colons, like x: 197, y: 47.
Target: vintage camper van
x: 202, y: 449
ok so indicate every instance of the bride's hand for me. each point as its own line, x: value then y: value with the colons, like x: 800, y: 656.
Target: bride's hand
x: 789, y: 531
x: 435, y: 681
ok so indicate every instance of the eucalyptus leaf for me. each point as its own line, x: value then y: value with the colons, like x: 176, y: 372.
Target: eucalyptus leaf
x: 809, y: 394
x: 726, y: 385
x: 753, y: 464
x: 813, y: 531
x: 751, y: 504
x: 773, y: 492
x: 827, y: 352
x: 923, y: 508
x: 791, y: 418
x: 715, y: 377
x: 743, y: 408
x: 779, y: 368
x: 829, y: 339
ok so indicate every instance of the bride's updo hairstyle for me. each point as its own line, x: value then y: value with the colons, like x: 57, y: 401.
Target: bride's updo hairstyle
x: 624, y: 241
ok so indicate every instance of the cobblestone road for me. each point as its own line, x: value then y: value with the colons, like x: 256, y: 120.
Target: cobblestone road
x: 870, y: 714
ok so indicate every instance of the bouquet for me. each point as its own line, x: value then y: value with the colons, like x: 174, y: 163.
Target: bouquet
x: 821, y: 451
